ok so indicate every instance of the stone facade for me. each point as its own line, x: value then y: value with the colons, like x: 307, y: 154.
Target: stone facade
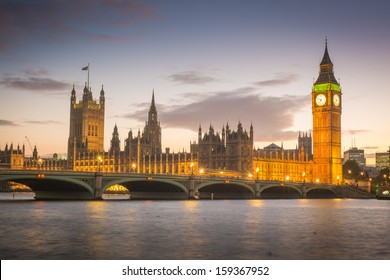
x: 11, y: 158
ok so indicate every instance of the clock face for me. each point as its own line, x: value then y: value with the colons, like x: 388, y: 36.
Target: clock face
x: 320, y: 100
x: 336, y: 100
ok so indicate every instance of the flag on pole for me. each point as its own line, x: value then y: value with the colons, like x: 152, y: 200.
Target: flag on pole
x: 85, y: 68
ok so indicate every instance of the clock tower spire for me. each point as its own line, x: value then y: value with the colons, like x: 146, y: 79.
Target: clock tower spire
x: 326, y: 110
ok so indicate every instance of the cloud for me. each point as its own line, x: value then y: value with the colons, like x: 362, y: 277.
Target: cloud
x: 35, y: 72
x: 7, y: 123
x: 46, y: 122
x: 33, y: 83
x: 191, y: 77
x: 354, y: 131
x: 272, y: 117
x: 279, y: 80
x: 60, y: 20
x: 370, y: 147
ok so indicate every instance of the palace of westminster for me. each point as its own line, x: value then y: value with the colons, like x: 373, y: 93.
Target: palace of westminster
x: 316, y: 158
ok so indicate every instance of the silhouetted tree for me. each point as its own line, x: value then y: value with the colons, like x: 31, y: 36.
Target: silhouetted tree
x: 351, y: 170
x: 383, y: 177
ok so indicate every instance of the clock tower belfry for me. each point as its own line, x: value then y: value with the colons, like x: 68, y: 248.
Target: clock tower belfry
x: 326, y: 110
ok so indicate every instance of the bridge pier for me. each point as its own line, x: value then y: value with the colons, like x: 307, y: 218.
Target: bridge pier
x: 304, y: 190
x: 191, y: 188
x: 257, y: 189
x: 98, y: 186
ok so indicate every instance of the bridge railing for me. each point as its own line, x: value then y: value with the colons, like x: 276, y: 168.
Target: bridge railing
x: 205, y: 177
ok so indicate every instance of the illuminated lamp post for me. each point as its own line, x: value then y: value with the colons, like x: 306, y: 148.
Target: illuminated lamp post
x: 317, y: 181
x: 338, y: 186
x: 40, y: 161
x: 257, y: 173
x: 192, y: 168
x: 99, y: 162
x: 304, y: 177
x: 133, y: 166
x: 201, y: 171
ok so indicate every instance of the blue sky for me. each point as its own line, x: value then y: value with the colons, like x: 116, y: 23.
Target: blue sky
x: 209, y: 62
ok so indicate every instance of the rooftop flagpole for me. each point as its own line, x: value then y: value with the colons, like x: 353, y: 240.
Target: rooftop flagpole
x: 88, y: 76
x: 86, y: 68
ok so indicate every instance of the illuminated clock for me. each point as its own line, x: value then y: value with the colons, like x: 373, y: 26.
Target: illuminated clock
x: 336, y: 100
x: 320, y: 100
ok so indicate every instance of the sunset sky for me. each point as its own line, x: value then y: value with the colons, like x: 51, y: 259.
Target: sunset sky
x: 209, y: 62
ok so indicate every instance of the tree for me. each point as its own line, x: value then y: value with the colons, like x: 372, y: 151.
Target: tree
x: 383, y: 177
x: 351, y: 170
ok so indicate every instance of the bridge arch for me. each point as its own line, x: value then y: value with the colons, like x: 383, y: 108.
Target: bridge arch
x: 54, y: 187
x: 321, y: 191
x: 280, y: 190
x: 224, y: 190
x: 152, y: 188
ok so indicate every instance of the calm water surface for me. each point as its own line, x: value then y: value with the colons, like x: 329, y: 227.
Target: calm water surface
x: 218, y: 229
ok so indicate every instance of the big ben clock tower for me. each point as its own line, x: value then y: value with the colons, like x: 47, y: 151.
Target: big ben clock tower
x: 326, y: 110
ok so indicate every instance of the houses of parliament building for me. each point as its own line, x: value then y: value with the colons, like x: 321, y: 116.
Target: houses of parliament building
x: 230, y: 152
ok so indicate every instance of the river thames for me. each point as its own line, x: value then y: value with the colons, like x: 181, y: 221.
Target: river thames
x: 293, y: 229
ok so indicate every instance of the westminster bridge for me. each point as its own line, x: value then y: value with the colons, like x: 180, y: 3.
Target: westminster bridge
x: 51, y: 185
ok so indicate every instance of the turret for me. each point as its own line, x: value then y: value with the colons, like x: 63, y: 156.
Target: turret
x: 102, y: 98
x: 35, y: 153
x: 115, y: 142
x: 239, y: 128
x: 87, y: 95
x: 152, y: 111
x: 326, y: 69
x: 73, y: 97
x: 223, y: 136
x: 211, y: 130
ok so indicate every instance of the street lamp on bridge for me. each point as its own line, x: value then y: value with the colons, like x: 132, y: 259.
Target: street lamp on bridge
x: 99, y: 162
x: 40, y: 161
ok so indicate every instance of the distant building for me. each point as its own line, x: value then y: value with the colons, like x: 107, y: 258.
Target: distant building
x: 276, y: 163
x: 231, y: 150
x: 355, y: 154
x: 11, y: 158
x: 382, y: 160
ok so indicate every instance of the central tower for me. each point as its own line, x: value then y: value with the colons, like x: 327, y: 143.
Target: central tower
x: 152, y: 130
x: 326, y: 110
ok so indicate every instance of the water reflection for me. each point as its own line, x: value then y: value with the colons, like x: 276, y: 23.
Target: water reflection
x: 256, y: 203
x: 218, y: 229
